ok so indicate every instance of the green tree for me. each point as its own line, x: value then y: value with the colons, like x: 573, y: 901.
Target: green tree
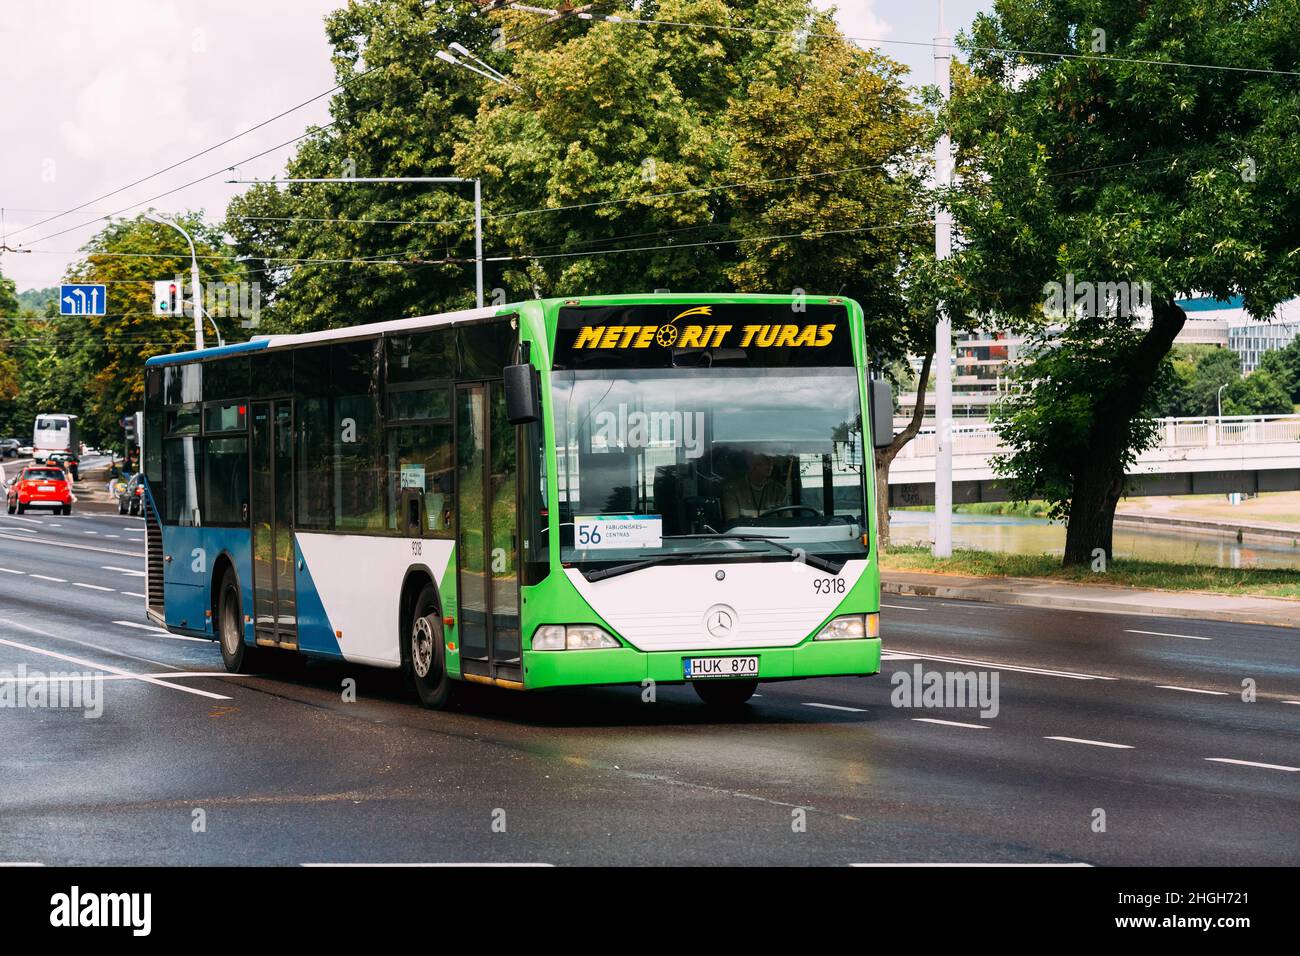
x: 1215, y: 370
x: 1096, y: 166
x: 1284, y: 364
x: 1259, y: 393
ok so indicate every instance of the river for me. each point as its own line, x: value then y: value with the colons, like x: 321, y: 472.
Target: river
x: 1019, y: 535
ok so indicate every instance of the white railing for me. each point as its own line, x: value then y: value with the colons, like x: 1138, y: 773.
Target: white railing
x: 1230, y: 430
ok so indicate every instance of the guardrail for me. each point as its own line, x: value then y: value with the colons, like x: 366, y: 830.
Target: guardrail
x: 1208, y: 432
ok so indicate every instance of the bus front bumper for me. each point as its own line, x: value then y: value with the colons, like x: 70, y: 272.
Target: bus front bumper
x: 627, y: 665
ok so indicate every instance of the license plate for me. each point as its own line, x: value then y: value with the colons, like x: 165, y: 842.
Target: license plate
x: 700, y: 668
x: 44, y: 487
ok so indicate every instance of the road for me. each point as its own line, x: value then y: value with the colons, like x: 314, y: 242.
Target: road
x: 1137, y: 718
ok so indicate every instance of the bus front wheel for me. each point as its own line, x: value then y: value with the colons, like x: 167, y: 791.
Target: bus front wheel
x: 425, y: 651
x: 725, y: 693
x: 238, y: 656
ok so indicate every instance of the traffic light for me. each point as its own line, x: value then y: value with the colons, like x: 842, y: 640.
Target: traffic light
x: 166, y: 297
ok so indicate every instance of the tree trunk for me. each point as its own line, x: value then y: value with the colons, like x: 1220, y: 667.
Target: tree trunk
x: 1099, y: 481
x: 886, y: 455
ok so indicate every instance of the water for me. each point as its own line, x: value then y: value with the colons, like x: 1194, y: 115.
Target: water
x: 1019, y: 535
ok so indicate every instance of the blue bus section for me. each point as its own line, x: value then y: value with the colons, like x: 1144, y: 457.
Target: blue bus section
x: 315, y: 632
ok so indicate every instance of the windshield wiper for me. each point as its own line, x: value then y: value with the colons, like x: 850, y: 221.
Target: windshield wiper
x: 601, y: 573
x: 820, y: 563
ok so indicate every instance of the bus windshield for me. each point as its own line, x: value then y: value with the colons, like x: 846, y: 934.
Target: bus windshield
x: 645, y: 456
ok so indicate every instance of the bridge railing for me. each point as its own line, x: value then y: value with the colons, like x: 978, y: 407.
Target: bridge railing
x: 1207, y: 432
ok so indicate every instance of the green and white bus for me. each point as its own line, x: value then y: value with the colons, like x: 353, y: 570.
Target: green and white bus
x: 562, y: 492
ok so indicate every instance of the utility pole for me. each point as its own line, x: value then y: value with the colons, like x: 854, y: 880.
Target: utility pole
x: 478, y: 206
x: 943, y: 324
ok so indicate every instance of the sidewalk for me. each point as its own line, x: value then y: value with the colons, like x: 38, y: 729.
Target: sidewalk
x: 1240, y: 529
x: 1039, y: 592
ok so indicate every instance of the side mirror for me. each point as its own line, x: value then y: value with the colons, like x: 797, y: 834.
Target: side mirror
x: 881, y: 402
x: 523, y: 400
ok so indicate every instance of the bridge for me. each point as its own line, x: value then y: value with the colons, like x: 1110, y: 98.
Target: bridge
x: 1244, y: 453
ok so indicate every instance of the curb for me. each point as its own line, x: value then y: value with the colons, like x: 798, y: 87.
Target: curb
x: 995, y: 595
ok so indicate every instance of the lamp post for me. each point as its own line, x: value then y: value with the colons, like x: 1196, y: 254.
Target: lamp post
x: 1219, y: 397
x: 194, y: 282
x: 943, y: 323
x: 478, y: 206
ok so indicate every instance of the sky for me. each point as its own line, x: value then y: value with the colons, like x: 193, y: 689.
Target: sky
x: 101, y: 94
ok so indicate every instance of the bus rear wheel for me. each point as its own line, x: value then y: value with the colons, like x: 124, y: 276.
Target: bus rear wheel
x: 725, y: 693
x: 238, y: 657
x: 425, y: 652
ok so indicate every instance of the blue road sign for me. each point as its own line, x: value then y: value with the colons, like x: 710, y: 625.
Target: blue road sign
x: 82, y: 300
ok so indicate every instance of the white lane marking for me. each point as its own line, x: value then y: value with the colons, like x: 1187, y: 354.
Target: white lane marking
x: 415, y: 865
x: 949, y: 723
x: 896, y: 657
x: 19, y: 863
x: 112, y: 536
x: 90, y: 532
x: 136, y: 540
x: 968, y: 864
x: 132, y: 594
x: 133, y: 572
x: 108, y: 668
x: 12, y: 571
x: 1190, y: 637
x: 1091, y: 743
x: 46, y: 577
x: 24, y: 530
x: 1192, y: 690
x: 903, y: 607
x: 1018, y: 668
x: 1291, y: 701
x: 981, y: 607
x: 65, y: 678
x: 69, y: 544
x: 1251, y: 763
x: 91, y: 587
x: 855, y: 710
x: 27, y: 520
x: 161, y: 633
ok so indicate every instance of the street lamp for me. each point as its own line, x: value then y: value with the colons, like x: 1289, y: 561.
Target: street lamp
x: 1219, y: 397
x: 943, y: 325
x: 194, y: 282
x: 478, y: 205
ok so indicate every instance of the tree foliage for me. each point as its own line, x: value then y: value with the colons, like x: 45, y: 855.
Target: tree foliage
x: 1098, y: 165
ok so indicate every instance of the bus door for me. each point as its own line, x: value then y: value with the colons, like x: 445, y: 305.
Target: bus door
x: 271, y: 516
x: 487, y: 533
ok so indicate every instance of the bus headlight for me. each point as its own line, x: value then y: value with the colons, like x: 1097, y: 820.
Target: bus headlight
x: 572, y: 637
x: 850, y: 627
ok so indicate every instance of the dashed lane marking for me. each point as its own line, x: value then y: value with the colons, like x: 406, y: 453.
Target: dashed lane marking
x: 91, y: 587
x: 1017, y: 668
x: 854, y: 710
x: 1192, y: 690
x: 46, y: 577
x: 1090, y: 743
x: 1252, y: 763
x: 950, y: 723
x: 1190, y: 637
x: 903, y: 607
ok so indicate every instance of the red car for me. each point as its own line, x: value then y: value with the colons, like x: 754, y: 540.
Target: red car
x: 40, y: 487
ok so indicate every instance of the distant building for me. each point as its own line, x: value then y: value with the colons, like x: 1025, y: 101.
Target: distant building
x: 982, y: 359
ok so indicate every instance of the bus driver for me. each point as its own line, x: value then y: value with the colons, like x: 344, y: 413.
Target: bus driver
x: 755, y: 492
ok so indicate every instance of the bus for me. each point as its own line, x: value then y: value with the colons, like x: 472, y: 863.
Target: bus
x: 56, y: 435
x: 551, y: 493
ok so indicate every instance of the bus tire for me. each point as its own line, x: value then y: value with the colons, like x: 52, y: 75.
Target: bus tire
x: 424, y: 651
x: 238, y: 657
x: 725, y: 693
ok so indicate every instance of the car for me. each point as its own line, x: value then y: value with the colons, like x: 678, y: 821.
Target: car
x: 40, y: 486
x: 65, y: 460
x: 130, y: 496
x: 25, y: 451
x: 9, y: 447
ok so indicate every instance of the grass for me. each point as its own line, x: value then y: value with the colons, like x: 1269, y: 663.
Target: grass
x: 1161, y: 575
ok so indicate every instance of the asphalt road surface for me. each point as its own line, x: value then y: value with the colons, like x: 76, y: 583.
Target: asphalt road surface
x: 1117, y: 740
